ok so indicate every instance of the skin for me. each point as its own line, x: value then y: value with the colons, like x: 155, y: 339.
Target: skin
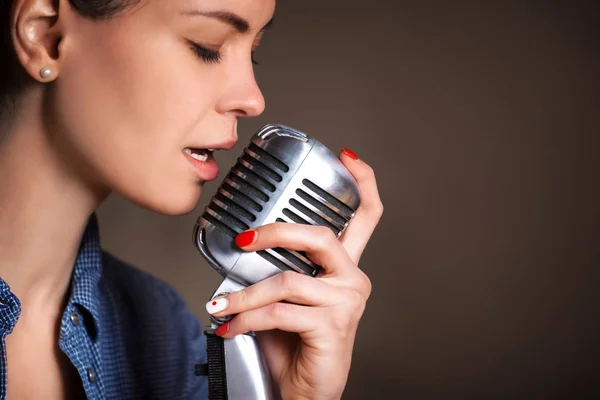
x: 125, y: 97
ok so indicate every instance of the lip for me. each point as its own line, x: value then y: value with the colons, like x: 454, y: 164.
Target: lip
x: 206, y: 170
x: 228, y: 145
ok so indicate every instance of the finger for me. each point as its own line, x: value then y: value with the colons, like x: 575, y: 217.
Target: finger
x: 360, y: 229
x: 282, y: 316
x: 287, y: 286
x: 319, y: 242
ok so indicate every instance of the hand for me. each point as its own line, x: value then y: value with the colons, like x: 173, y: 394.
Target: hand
x: 307, y: 340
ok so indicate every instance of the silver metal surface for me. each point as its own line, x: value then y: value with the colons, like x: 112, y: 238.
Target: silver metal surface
x: 247, y: 376
x: 282, y: 175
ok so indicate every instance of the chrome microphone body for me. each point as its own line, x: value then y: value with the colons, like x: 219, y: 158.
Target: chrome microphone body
x: 282, y: 176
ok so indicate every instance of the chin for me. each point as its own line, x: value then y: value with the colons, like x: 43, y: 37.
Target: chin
x: 169, y: 202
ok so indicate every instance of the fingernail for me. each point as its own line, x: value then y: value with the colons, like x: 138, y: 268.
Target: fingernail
x: 217, y: 305
x: 222, y: 329
x: 245, y: 238
x: 350, y: 153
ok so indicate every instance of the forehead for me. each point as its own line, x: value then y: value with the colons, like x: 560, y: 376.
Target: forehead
x: 256, y: 12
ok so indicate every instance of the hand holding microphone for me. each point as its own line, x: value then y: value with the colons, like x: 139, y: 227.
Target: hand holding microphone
x: 305, y: 322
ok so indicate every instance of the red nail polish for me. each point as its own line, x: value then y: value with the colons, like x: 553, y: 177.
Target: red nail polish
x: 222, y: 329
x: 350, y: 153
x: 245, y: 238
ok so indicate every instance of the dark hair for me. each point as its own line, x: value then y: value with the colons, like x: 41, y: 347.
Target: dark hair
x: 12, y: 76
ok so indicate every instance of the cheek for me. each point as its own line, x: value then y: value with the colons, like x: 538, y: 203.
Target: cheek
x: 126, y: 102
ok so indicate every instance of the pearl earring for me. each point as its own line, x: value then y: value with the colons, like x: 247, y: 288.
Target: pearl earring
x: 45, y: 73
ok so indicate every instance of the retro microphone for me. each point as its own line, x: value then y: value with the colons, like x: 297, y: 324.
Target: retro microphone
x: 282, y: 176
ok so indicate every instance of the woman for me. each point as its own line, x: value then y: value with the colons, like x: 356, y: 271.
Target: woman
x: 110, y: 95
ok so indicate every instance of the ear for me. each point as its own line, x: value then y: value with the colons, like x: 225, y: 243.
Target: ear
x: 36, y: 34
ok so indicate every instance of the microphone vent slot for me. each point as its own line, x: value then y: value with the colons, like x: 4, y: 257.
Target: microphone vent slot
x: 287, y: 260
x: 220, y: 225
x: 227, y: 218
x: 316, y: 218
x: 267, y: 159
x: 239, y: 197
x: 251, y: 177
x: 338, y: 206
x: 228, y: 204
x: 321, y: 207
x: 300, y: 262
x: 294, y: 217
x: 246, y: 188
x: 224, y: 220
x: 260, y: 169
x: 314, y: 206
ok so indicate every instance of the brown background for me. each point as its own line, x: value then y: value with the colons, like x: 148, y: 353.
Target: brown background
x: 482, y: 123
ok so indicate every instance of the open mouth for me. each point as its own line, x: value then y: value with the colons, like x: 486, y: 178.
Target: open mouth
x: 199, y: 154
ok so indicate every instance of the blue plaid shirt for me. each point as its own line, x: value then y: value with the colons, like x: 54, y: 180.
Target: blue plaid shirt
x: 129, y: 335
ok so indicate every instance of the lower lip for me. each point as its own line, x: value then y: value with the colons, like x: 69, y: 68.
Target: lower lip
x: 206, y: 170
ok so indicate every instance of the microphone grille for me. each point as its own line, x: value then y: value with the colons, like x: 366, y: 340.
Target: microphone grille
x: 274, y: 181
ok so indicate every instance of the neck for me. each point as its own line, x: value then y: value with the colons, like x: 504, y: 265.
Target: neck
x: 44, y: 207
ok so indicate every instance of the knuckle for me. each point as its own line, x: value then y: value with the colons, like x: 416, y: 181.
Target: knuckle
x: 240, y: 298
x: 277, y: 311
x: 341, y: 323
x: 356, y: 305
x: 316, y: 237
x: 288, y: 281
x: 374, y: 210
x: 277, y: 229
x: 378, y: 208
x: 325, y: 237
x: 366, y: 286
x: 368, y: 172
x: 337, y: 321
x: 344, y: 322
x: 356, y: 301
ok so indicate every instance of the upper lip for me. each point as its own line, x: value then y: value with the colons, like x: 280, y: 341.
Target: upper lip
x: 221, y: 145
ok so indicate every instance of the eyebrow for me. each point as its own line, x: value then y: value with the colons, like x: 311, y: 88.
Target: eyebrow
x: 239, y: 23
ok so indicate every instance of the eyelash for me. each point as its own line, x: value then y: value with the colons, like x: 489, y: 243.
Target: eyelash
x: 210, y: 56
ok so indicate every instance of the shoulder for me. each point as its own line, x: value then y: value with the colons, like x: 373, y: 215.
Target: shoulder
x: 158, y: 332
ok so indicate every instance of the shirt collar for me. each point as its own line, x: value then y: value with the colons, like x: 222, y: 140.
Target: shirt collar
x: 87, y: 272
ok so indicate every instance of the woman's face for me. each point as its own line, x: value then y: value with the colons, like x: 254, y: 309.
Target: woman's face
x: 135, y: 91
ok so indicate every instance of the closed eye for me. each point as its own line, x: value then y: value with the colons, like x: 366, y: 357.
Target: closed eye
x: 205, y: 54
x: 210, y: 56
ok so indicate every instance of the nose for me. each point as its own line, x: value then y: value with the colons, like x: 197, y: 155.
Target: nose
x: 242, y: 97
